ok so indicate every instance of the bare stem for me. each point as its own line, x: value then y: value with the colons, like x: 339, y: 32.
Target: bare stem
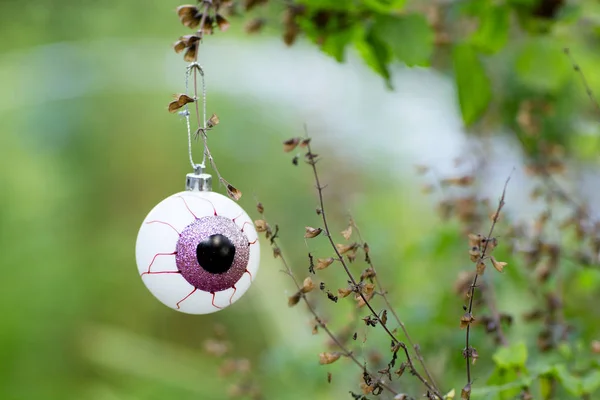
x: 474, y: 284
x: 414, y: 346
x: 313, y: 163
x: 322, y: 324
x: 201, y: 131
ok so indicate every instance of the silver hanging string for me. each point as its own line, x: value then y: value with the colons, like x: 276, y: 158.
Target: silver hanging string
x: 186, y: 114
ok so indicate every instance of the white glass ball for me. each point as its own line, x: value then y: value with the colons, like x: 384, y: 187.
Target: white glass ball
x: 197, y: 252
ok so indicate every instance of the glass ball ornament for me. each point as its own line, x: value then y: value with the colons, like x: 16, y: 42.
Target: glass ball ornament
x: 197, y: 251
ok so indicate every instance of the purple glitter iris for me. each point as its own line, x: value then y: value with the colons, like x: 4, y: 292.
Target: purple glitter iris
x: 187, y: 261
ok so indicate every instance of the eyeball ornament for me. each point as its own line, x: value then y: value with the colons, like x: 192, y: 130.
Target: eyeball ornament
x: 197, y: 251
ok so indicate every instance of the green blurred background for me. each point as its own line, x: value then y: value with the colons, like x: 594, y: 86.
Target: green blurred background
x: 87, y: 148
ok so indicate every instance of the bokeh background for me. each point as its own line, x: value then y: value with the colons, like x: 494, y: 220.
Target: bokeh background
x: 87, y: 148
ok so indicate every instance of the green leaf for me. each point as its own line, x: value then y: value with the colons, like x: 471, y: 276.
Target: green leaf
x: 472, y: 83
x: 591, y: 382
x: 409, y: 37
x: 513, y: 356
x: 384, y: 6
x: 492, y: 33
x: 335, y: 44
x: 542, y: 65
x: 570, y: 382
x: 376, y: 55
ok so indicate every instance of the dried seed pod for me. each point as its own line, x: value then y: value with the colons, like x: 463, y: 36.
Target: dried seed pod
x: 345, y: 292
x: 499, y: 265
x: 344, y: 248
x: 346, y: 233
x: 466, y: 319
x: 290, y: 144
x: 212, y: 121
x: 329, y: 358
x: 312, y: 232
x: 293, y: 300
x: 255, y: 25
x: 180, y: 101
x: 480, y: 268
x: 233, y: 192
x: 323, y: 263
x: 260, y: 208
x: 307, y: 285
x: 189, y: 16
x: 260, y: 225
x: 222, y: 23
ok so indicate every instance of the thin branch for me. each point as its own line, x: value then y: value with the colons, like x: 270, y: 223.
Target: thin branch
x: 383, y: 294
x: 313, y: 163
x: 577, y: 69
x: 474, y: 284
x: 347, y: 353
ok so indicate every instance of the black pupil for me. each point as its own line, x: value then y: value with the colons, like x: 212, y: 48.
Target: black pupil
x: 215, y: 254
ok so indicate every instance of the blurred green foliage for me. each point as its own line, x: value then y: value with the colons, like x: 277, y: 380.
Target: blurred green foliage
x: 81, y: 168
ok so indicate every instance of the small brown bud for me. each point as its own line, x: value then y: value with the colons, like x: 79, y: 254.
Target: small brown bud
x: 260, y: 208
x: 329, y: 358
x: 312, y: 232
x: 384, y: 317
x: 329, y: 377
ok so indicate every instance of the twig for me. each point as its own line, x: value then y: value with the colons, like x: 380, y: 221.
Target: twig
x: 577, y: 69
x: 347, y: 353
x: 393, y: 311
x: 474, y: 284
x: 313, y: 163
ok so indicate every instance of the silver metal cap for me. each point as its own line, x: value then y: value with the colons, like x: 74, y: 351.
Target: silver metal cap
x: 198, y: 180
